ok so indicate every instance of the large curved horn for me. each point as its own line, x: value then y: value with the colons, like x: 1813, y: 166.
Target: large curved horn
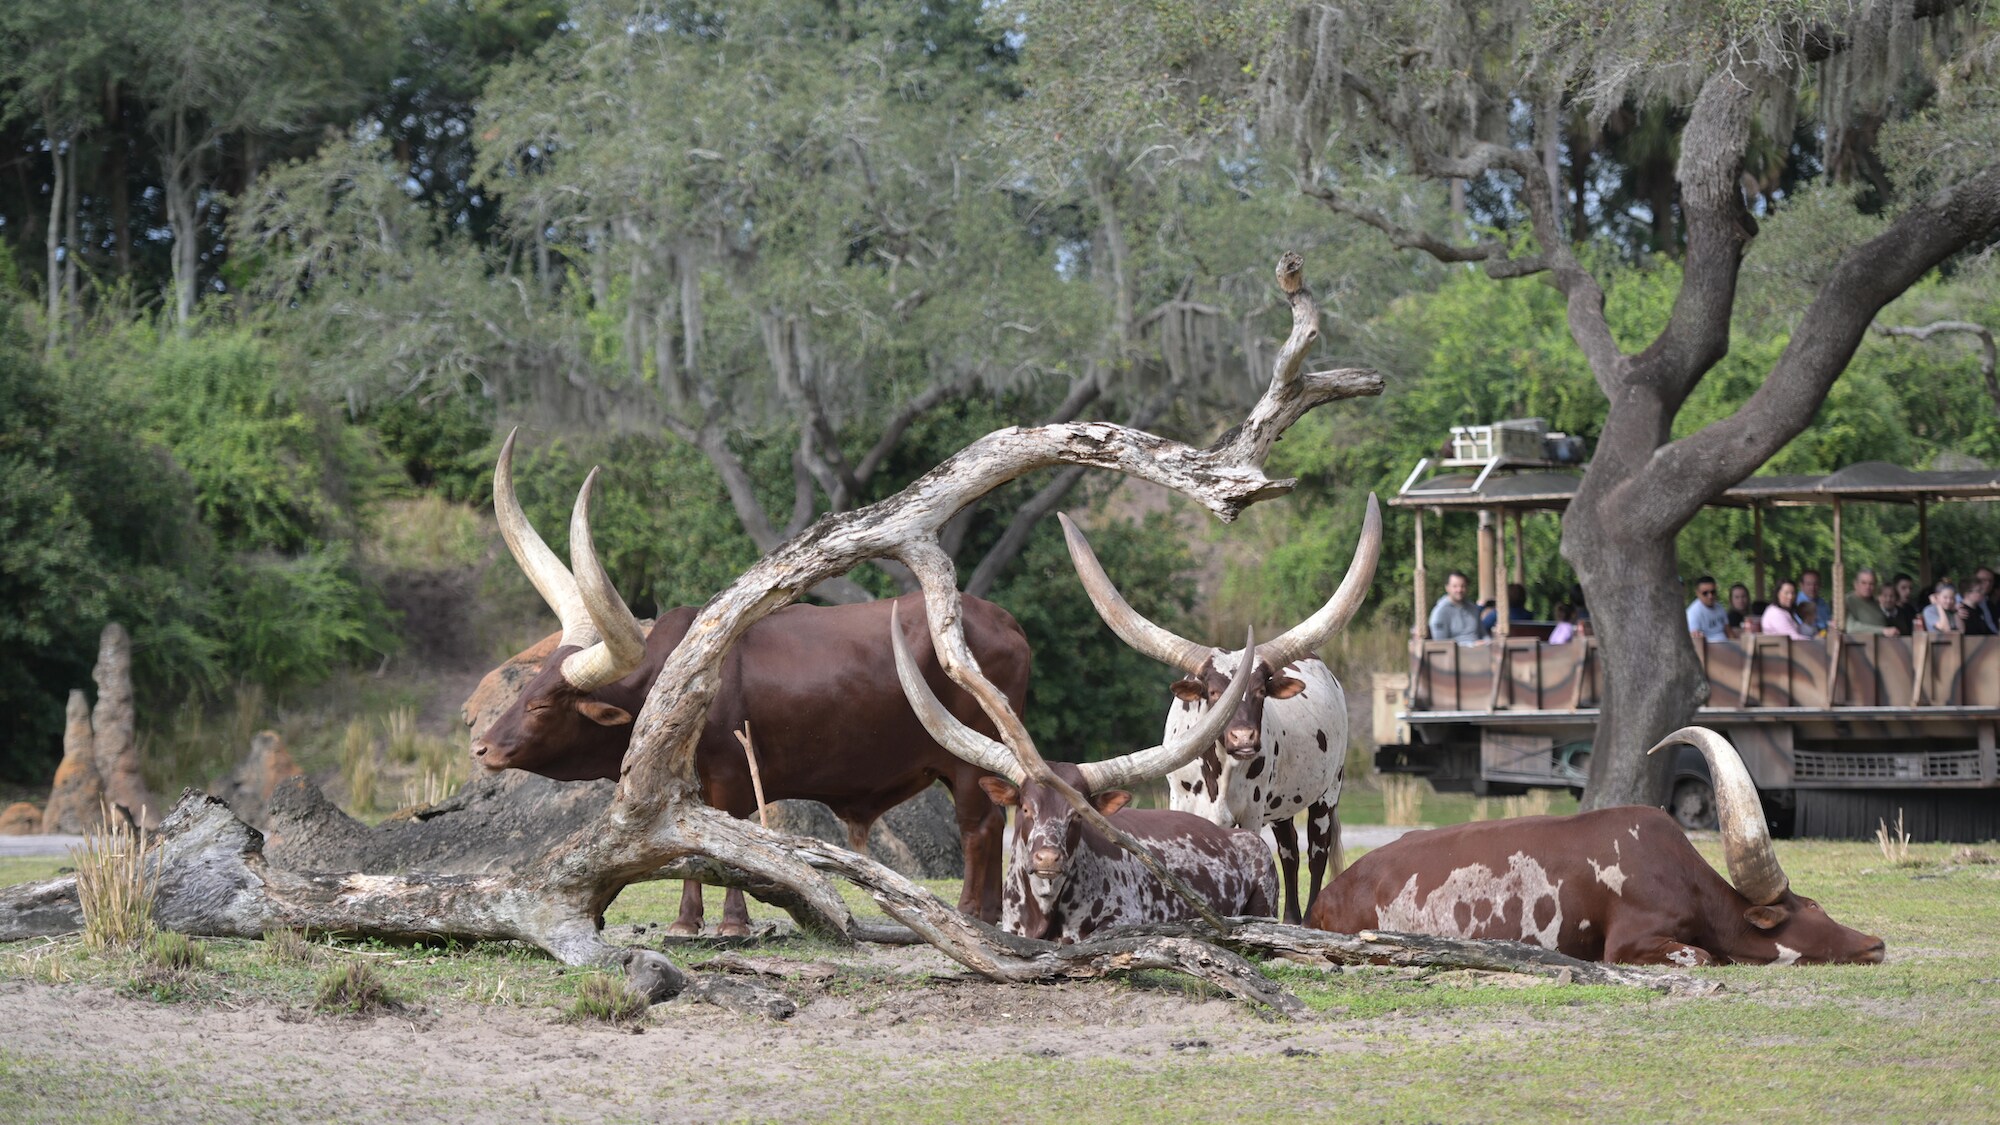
x: 1304, y: 639
x: 624, y: 642
x: 944, y: 726
x: 552, y: 580
x: 1746, y: 839
x: 1166, y: 758
x: 1142, y: 635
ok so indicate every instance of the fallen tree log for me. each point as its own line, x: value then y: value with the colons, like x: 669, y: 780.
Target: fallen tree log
x: 1259, y: 937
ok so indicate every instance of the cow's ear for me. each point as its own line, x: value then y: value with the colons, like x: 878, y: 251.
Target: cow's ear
x: 1189, y: 691
x: 603, y: 714
x: 1110, y: 801
x: 1002, y: 791
x: 1767, y: 917
x: 1284, y: 687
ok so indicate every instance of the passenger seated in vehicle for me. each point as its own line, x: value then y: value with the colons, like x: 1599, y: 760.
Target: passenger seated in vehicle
x: 1705, y: 617
x: 1565, y: 630
x: 1453, y: 618
x: 1864, y: 610
x: 1941, y: 616
x: 1739, y: 609
x: 1517, y: 609
x: 1974, y: 613
x: 1808, y: 616
x: 1778, y: 620
x: 1907, y: 605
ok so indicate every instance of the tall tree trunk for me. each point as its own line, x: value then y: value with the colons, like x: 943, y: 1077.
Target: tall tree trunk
x: 58, y: 193
x: 73, y: 240
x: 1648, y: 677
x: 181, y: 192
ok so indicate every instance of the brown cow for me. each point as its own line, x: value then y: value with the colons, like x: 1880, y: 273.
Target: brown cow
x: 1619, y: 884
x: 815, y: 683
x: 1069, y: 880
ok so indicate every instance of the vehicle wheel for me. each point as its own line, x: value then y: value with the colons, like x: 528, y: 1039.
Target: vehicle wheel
x: 1694, y: 804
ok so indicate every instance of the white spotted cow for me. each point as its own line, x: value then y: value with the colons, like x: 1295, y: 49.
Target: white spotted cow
x: 1284, y: 750
x: 1065, y: 879
x: 1620, y: 884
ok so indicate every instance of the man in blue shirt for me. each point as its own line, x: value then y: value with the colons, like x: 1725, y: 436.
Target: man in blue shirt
x: 1454, y: 618
x: 1706, y: 618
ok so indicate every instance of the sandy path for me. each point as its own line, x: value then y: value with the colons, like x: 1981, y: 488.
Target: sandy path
x: 128, y: 1058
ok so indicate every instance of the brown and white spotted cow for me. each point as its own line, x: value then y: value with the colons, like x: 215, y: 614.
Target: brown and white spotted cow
x: 1066, y: 880
x: 1284, y: 750
x: 1619, y: 884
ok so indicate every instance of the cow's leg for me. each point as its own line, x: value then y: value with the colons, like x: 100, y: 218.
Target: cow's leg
x: 982, y: 826
x: 688, y: 924
x: 1653, y: 949
x: 1322, y: 844
x: 1287, y: 835
x: 735, y: 914
x: 857, y: 834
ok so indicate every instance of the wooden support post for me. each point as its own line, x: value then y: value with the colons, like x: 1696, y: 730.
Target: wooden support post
x: 1757, y: 539
x: 1500, y: 606
x: 1487, y: 542
x: 1520, y: 552
x: 1839, y: 593
x: 1422, y: 629
x: 1924, y: 543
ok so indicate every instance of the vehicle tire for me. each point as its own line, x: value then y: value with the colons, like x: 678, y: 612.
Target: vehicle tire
x: 1693, y: 804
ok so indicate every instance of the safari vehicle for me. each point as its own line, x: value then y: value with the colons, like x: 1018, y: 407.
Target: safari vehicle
x: 1839, y: 734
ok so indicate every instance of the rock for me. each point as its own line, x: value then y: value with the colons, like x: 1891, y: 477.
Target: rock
x: 20, y: 819
x: 918, y: 838
x: 248, y: 789
x: 114, y: 727
x: 76, y: 801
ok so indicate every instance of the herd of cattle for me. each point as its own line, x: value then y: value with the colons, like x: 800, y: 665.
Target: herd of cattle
x: 1252, y: 738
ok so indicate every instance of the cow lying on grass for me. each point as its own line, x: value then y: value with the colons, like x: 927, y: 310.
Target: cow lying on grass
x: 1620, y: 885
x: 1066, y: 880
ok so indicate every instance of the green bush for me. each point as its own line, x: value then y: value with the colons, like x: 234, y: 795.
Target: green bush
x: 446, y: 446
x: 294, y: 620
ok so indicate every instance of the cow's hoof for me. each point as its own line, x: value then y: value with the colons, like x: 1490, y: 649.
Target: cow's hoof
x: 732, y: 929
x: 685, y: 929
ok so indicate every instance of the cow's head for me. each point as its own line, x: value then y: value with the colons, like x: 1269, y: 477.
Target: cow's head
x: 1244, y: 734
x: 1206, y: 670
x: 1769, y: 922
x: 571, y: 721
x: 1047, y: 828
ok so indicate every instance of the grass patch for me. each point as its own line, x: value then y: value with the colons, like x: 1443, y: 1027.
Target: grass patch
x: 172, y: 951
x: 111, y: 885
x: 284, y: 945
x: 602, y: 998
x: 354, y: 988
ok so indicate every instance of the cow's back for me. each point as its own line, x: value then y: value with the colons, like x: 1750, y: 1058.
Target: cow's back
x: 817, y: 686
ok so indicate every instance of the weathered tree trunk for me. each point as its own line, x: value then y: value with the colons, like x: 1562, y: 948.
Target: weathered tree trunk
x: 58, y: 196
x: 1648, y: 675
x: 115, y: 729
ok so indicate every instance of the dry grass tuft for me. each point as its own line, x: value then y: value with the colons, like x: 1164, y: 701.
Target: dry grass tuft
x: 1535, y: 802
x: 601, y: 998
x: 1895, y: 845
x: 1972, y: 857
x: 400, y: 727
x: 174, y: 951
x: 355, y: 989
x: 358, y: 767
x: 1403, y: 798
x: 284, y: 945
x: 427, y: 533
x: 112, y: 888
